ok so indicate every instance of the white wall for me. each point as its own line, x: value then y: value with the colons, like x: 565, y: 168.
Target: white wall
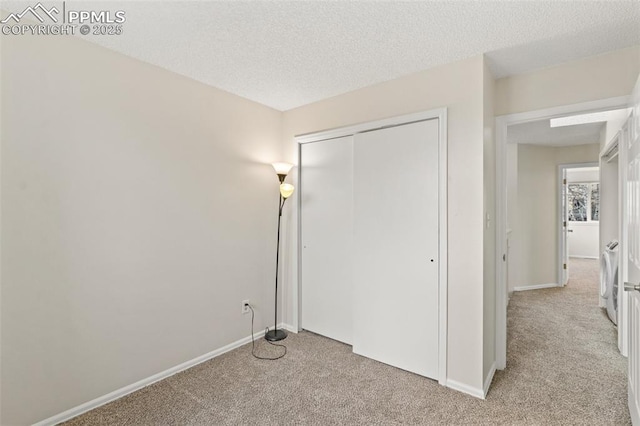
x: 583, y: 175
x: 138, y: 210
x: 459, y: 87
x: 583, y: 239
x: 609, y: 195
x: 513, y: 255
x: 537, y: 207
x: 613, y: 126
x: 609, y: 186
x: 489, y: 234
x: 1, y: 234
x: 609, y: 211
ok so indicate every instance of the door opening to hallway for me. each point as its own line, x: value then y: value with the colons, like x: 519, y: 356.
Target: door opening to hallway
x: 554, y: 205
x: 624, y: 129
x: 579, y: 221
x: 539, y: 220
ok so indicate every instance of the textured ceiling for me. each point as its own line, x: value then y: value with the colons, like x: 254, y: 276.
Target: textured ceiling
x: 287, y: 54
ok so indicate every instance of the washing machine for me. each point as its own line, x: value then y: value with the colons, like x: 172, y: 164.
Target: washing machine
x: 609, y: 279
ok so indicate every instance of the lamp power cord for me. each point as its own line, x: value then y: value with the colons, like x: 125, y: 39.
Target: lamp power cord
x: 253, y: 343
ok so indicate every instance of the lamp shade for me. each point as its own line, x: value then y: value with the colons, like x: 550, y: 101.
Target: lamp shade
x: 282, y: 168
x: 286, y: 189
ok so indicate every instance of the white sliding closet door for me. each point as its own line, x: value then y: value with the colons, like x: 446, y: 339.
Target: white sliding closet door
x: 326, y: 188
x: 395, y: 217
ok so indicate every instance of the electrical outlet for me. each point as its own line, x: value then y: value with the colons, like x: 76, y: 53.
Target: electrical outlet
x: 245, y: 306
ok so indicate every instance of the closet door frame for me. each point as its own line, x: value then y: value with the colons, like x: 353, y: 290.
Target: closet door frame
x: 441, y: 115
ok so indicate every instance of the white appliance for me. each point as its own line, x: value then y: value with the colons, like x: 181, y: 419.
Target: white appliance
x: 609, y: 279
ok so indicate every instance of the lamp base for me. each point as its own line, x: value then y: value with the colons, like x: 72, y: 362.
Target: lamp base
x: 275, y: 335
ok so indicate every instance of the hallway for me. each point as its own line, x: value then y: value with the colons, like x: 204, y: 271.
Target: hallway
x: 563, y: 348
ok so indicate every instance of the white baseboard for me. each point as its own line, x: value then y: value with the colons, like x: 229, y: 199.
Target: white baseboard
x: 535, y: 287
x: 288, y: 327
x: 585, y: 257
x: 478, y: 393
x: 461, y: 387
x: 119, y: 393
x: 487, y: 381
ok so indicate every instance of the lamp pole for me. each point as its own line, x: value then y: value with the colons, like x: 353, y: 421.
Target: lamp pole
x: 285, y: 191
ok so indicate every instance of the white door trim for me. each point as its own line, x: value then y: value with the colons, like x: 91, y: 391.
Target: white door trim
x: 502, y: 122
x: 441, y: 115
x: 562, y: 244
x: 623, y: 242
x: 372, y: 125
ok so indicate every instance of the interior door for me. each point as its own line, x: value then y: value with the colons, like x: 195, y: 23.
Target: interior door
x: 632, y: 162
x: 326, y: 190
x: 396, y: 246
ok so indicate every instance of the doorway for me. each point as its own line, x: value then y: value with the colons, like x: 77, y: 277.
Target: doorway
x: 503, y: 125
x: 579, y: 218
x: 538, y: 219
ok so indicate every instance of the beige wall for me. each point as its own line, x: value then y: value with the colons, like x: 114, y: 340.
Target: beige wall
x: 138, y: 210
x: 146, y: 203
x: 489, y: 233
x: 459, y: 87
x: 598, y: 77
x: 536, y: 234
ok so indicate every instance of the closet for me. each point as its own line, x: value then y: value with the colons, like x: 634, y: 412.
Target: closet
x: 369, y: 241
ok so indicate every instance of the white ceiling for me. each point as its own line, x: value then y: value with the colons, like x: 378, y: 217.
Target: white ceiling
x: 540, y: 133
x: 287, y: 54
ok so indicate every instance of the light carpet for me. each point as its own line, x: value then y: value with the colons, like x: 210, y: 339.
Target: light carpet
x: 563, y: 368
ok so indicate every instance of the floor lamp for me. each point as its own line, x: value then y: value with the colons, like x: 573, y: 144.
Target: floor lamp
x: 286, y: 189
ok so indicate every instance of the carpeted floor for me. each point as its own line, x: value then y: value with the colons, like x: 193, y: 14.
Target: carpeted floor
x: 563, y: 368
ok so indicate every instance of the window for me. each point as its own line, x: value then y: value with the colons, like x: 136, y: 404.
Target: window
x: 595, y: 201
x: 583, y: 202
